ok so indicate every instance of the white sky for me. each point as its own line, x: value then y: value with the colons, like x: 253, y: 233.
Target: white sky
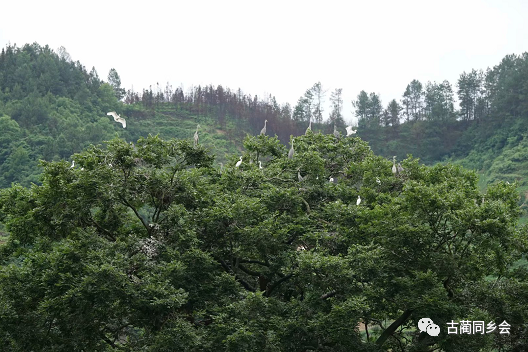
x: 276, y: 47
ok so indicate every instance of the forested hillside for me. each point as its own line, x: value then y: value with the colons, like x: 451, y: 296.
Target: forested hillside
x: 147, y: 243
x: 52, y: 107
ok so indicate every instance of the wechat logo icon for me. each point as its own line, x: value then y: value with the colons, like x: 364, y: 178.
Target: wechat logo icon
x: 427, y: 325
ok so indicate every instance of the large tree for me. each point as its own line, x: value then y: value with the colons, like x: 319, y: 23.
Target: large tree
x: 149, y: 247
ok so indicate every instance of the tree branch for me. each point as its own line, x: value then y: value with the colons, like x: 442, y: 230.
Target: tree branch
x: 392, y: 328
x: 228, y: 269
x: 328, y: 295
x: 135, y: 212
x: 276, y: 284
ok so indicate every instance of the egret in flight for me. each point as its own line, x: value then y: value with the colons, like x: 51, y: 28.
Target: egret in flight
x: 350, y: 131
x: 117, y: 118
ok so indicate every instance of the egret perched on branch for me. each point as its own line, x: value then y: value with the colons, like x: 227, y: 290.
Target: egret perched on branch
x: 309, y: 127
x: 350, y: 131
x: 260, y: 165
x: 196, y: 135
x: 263, y: 130
x: 358, y: 201
x: 117, y: 118
x: 73, y: 164
x: 291, y: 152
x: 336, y: 132
x: 396, y: 170
x: 238, y: 162
x: 301, y: 179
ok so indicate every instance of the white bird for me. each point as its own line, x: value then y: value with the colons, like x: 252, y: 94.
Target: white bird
x: 73, y: 164
x: 309, y: 127
x: 291, y: 152
x: 336, y: 132
x: 117, y: 118
x: 396, y: 169
x: 350, y: 131
x: 301, y: 179
x: 358, y: 201
x: 263, y: 130
x: 196, y: 135
x: 238, y: 162
x: 378, y: 181
x: 260, y: 165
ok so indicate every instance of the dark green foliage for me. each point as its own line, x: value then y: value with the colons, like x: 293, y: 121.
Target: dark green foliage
x: 146, y: 246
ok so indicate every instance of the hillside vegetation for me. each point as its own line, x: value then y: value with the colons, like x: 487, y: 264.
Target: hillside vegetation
x: 148, y: 244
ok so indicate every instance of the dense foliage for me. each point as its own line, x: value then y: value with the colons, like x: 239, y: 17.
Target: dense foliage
x: 148, y: 247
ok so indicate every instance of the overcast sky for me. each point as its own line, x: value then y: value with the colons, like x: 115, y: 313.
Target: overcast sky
x: 276, y: 47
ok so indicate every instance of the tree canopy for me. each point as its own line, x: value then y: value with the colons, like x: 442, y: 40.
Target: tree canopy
x: 147, y: 246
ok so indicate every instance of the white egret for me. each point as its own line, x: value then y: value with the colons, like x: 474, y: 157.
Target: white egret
x: 263, y: 130
x: 260, y: 165
x: 396, y: 169
x: 350, y: 131
x: 301, y: 179
x: 117, y: 118
x: 238, y: 162
x: 196, y: 135
x: 291, y: 152
x: 378, y: 181
x: 336, y: 132
x: 309, y: 127
x: 73, y: 164
x: 358, y: 201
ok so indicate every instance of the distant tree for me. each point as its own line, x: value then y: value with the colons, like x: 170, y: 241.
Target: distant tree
x: 63, y: 54
x: 375, y: 109
x: 438, y: 99
x: 413, y: 101
x: 115, y: 82
x: 286, y: 112
x: 362, y: 105
x: 318, y: 94
x: 303, y: 109
x: 337, y: 104
x: 469, y: 93
x: 393, y: 113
